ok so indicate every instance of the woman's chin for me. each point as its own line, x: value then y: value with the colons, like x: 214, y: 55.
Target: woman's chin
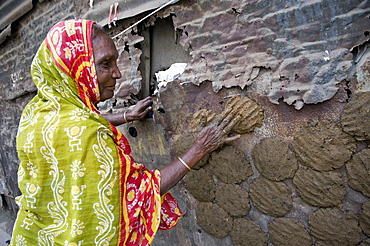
x: 106, y: 96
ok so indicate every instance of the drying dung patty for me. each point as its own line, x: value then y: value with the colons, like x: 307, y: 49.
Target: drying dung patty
x: 358, y: 170
x: 323, y: 146
x: 285, y: 231
x: 269, y: 197
x: 274, y: 160
x: 251, y: 113
x: 320, y: 189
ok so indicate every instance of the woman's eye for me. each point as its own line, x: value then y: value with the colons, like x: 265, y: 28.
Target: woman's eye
x: 105, y: 64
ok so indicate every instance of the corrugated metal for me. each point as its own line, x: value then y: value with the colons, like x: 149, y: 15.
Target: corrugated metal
x: 5, y: 33
x: 127, y: 8
x: 11, y: 10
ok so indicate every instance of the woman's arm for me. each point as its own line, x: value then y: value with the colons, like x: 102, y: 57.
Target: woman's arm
x: 138, y: 112
x: 208, y: 140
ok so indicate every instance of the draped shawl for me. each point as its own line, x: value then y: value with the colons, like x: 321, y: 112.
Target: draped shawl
x: 80, y: 184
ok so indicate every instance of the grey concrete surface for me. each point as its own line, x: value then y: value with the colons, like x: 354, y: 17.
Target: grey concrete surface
x: 6, y: 225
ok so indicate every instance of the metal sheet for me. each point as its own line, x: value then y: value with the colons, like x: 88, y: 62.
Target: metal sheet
x: 11, y: 10
x: 5, y: 33
x: 127, y: 8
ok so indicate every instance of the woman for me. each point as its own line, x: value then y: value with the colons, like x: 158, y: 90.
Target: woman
x: 80, y: 184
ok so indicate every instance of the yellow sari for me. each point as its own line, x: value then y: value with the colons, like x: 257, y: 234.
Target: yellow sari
x: 80, y: 184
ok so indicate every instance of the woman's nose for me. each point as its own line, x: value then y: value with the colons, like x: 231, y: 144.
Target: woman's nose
x: 116, y: 73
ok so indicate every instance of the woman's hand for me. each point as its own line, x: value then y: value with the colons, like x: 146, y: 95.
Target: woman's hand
x: 209, y: 139
x: 138, y: 112
x: 216, y: 134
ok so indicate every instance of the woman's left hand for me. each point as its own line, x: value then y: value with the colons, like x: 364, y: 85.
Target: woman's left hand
x: 140, y: 110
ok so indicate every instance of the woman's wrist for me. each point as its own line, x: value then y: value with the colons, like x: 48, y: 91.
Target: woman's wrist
x: 125, y: 118
x: 195, y: 153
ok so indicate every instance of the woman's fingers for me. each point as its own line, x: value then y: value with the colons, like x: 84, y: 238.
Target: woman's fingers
x: 231, y: 139
x: 142, y: 108
x: 229, y: 122
x: 226, y: 113
x: 145, y: 103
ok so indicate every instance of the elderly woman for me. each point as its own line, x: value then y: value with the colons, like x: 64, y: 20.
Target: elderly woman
x: 80, y: 184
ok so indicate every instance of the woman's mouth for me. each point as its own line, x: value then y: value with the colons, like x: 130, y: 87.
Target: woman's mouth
x: 111, y: 87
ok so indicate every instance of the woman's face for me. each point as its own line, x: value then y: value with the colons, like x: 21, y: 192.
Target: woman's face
x: 105, y: 57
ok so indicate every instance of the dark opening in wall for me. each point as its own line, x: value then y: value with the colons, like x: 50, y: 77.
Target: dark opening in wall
x: 160, y: 49
x: 359, y: 51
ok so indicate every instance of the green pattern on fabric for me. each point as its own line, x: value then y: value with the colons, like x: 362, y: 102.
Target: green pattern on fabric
x: 57, y: 128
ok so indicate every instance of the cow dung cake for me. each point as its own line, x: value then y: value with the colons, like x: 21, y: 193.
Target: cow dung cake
x: 201, y: 185
x: 246, y: 232
x: 358, y: 171
x: 229, y: 165
x: 331, y: 226
x: 274, y: 160
x: 251, y: 113
x: 355, y: 118
x: 271, y: 198
x: 284, y: 230
x: 323, y: 146
x: 320, y: 189
x: 213, y: 219
x: 233, y: 198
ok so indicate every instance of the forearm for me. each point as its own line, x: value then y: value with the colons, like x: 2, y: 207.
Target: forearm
x: 174, y: 172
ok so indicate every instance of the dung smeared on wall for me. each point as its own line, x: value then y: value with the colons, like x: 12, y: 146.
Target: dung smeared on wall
x: 355, y: 120
x: 251, y: 113
x: 274, y: 160
x: 283, y: 230
x: 323, y: 145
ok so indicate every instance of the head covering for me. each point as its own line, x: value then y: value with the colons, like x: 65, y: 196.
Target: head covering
x: 70, y: 44
x: 80, y: 184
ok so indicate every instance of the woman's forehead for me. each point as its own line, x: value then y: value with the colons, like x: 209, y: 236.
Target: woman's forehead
x: 103, y: 46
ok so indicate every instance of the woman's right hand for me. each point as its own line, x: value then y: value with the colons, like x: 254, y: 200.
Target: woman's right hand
x: 209, y: 139
x: 216, y: 134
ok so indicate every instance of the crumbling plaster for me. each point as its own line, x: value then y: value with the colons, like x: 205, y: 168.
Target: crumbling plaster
x: 305, y: 45
x: 301, y: 50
